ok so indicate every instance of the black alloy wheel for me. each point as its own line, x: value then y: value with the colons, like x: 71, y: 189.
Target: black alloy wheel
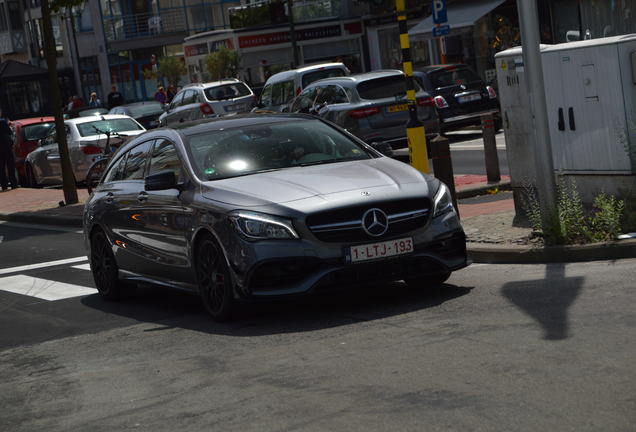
x: 213, y: 278
x: 104, y: 267
x: 428, y: 281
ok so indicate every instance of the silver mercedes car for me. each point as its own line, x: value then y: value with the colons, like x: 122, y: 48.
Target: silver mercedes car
x: 260, y: 206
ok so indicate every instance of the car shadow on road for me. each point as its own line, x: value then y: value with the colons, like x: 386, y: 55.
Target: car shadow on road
x: 547, y: 300
x: 171, y: 309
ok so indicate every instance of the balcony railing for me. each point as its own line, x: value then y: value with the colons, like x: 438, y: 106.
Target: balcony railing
x: 194, y: 18
x: 272, y: 12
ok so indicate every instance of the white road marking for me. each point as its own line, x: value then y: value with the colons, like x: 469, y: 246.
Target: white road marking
x: 42, y: 265
x: 86, y: 266
x: 43, y: 288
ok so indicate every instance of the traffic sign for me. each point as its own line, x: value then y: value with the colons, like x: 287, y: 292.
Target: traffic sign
x: 439, y: 11
x: 441, y: 30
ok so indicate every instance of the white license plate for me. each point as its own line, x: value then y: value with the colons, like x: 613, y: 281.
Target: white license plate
x: 380, y: 250
x: 469, y: 98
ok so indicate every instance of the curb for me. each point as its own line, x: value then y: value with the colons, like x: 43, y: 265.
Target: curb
x: 552, y: 254
x: 473, y: 191
x: 23, y: 217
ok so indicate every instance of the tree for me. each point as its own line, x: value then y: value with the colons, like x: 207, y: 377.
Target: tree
x: 223, y: 63
x: 170, y: 68
x: 68, y: 179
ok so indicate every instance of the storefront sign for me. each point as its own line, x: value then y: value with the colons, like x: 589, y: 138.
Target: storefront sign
x: 284, y: 37
x: 227, y: 43
x: 195, y: 50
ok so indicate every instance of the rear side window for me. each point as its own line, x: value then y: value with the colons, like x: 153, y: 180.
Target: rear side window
x: 136, y: 161
x: 310, y: 77
x: 385, y: 87
x: 227, y: 91
x: 453, y: 77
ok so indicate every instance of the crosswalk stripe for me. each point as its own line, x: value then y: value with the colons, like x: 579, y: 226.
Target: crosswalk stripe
x: 42, y: 265
x: 43, y: 288
x: 86, y: 266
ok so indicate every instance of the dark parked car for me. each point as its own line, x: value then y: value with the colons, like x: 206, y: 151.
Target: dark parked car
x: 372, y: 106
x: 266, y: 205
x: 146, y: 113
x: 460, y: 95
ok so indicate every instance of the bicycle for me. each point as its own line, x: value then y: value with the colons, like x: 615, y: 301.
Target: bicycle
x: 96, y: 170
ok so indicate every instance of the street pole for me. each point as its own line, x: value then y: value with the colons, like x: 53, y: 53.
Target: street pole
x: 68, y: 178
x: 292, y: 34
x: 418, y: 155
x: 546, y: 185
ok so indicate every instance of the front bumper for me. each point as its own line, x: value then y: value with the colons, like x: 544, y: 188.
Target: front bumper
x: 312, y: 271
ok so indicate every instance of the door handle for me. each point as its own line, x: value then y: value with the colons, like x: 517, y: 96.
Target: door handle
x: 561, y: 120
x: 571, y: 118
x: 110, y: 197
x: 181, y: 120
x: 143, y: 196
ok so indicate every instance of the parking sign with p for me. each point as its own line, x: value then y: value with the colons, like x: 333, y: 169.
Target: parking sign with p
x: 439, y: 12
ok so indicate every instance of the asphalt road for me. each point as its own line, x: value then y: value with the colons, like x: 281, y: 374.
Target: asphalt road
x: 497, y: 348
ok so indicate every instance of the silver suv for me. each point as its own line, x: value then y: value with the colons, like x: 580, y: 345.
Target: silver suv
x: 372, y: 105
x: 213, y: 99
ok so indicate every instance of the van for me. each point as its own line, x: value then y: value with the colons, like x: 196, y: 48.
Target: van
x: 281, y: 88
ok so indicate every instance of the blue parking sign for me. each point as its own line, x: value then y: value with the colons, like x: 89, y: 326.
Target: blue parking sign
x: 439, y: 11
x: 441, y: 30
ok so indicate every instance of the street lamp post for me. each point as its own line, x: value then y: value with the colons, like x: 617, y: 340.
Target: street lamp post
x: 546, y: 185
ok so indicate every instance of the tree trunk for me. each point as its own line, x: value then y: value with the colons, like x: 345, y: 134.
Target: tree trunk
x: 68, y: 178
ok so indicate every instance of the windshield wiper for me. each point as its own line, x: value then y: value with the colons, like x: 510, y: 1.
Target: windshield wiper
x: 210, y: 178
x: 326, y: 161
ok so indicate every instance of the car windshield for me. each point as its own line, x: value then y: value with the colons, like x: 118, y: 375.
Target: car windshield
x: 257, y: 148
x: 37, y: 131
x: 110, y: 125
x: 385, y: 87
x: 452, y: 77
x: 310, y: 77
x: 227, y: 91
x: 146, y: 109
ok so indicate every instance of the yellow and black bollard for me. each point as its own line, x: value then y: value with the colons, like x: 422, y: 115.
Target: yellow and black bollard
x: 418, y: 155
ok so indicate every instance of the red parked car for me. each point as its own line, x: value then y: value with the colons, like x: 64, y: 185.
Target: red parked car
x: 28, y: 132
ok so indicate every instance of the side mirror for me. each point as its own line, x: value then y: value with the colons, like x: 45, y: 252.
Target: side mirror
x: 383, y: 147
x: 161, y: 181
x: 166, y: 107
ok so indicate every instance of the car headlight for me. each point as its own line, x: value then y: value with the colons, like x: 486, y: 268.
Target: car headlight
x: 260, y: 226
x: 443, y: 202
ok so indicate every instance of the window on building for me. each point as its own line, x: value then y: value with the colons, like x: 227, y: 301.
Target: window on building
x: 14, y: 14
x: 3, y: 19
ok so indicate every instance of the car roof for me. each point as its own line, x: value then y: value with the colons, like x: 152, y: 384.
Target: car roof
x: 87, y: 119
x: 282, y: 76
x: 34, y: 120
x: 358, y: 78
x: 248, y: 119
x: 212, y: 83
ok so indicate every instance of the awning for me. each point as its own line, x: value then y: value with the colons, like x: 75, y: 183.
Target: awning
x: 460, y: 14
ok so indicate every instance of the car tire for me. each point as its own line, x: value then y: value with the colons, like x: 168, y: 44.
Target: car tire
x: 105, y: 269
x: 30, y: 180
x: 428, y: 281
x: 214, y: 280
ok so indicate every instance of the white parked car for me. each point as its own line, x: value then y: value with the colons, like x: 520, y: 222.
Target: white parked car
x: 86, y: 138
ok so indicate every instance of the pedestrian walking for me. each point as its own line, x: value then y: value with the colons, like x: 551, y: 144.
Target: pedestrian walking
x: 115, y: 98
x: 7, y: 159
x: 161, y: 96
x: 94, y: 101
x: 77, y: 102
x: 170, y: 94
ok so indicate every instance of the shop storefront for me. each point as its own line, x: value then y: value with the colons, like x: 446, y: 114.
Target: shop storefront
x: 264, y: 53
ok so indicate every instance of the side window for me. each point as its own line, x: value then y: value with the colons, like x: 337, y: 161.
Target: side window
x: 282, y: 92
x: 177, y: 100
x: 189, y: 97
x: 116, y: 170
x: 136, y: 161
x: 165, y: 157
x: 266, y: 96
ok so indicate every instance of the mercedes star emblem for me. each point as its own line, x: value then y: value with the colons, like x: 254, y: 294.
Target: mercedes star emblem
x: 375, y: 222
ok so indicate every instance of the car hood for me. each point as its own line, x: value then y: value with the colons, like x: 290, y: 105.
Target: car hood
x: 383, y: 175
